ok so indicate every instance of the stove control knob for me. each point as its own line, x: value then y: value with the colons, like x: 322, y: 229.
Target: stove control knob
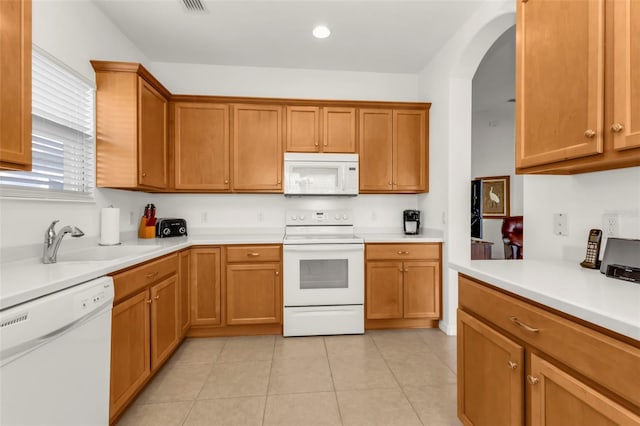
x: 301, y: 217
x: 345, y: 217
x: 337, y: 216
x: 294, y: 217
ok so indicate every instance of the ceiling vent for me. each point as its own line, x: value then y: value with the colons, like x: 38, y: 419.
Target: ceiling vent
x: 194, y: 6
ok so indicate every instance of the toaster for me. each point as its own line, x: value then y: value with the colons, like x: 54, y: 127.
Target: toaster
x: 171, y: 228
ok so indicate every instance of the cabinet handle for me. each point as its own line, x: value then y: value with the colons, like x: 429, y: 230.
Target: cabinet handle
x: 144, y: 174
x: 532, y: 380
x: 148, y: 301
x: 512, y: 365
x: 253, y: 254
x: 226, y: 181
x: 403, y: 252
x: 589, y: 133
x: 524, y: 326
x: 151, y: 275
x: 278, y: 180
x: 326, y: 143
x: 277, y: 272
x: 617, y: 127
x: 400, y: 270
x: 390, y: 183
x: 156, y: 298
x: 316, y: 143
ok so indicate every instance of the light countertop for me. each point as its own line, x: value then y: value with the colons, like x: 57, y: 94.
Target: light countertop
x: 372, y: 235
x: 583, y: 293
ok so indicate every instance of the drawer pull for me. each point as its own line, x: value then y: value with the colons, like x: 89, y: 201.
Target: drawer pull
x: 148, y: 301
x: 156, y: 298
x: 532, y: 380
x: 512, y: 365
x: 253, y: 254
x: 403, y: 252
x: 524, y: 326
x: 151, y: 275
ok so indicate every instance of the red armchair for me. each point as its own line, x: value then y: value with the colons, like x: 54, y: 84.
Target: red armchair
x: 512, y: 229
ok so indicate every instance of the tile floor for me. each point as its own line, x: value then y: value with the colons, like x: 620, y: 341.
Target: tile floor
x: 391, y: 377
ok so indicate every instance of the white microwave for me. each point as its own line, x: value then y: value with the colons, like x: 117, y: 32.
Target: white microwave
x: 320, y: 174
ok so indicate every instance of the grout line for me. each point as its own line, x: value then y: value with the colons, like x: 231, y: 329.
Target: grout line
x: 184, y: 420
x: 266, y: 396
x: 333, y: 385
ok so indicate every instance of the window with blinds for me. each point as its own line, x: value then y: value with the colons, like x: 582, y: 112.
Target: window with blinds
x: 63, y: 105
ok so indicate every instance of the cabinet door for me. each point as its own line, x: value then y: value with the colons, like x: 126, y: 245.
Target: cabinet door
x: 422, y: 289
x: 15, y: 85
x: 257, y: 148
x: 490, y: 375
x: 409, y: 151
x: 303, y: 129
x: 184, y: 291
x: 376, y: 150
x: 254, y: 293
x: 164, y: 320
x: 339, y: 129
x: 384, y: 290
x: 201, y: 146
x: 560, y: 94
x: 130, y: 364
x: 152, y: 136
x: 205, y: 286
x: 557, y: 398
x: 626, y: 83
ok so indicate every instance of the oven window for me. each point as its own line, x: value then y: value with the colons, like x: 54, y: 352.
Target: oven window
x: 324, y: 273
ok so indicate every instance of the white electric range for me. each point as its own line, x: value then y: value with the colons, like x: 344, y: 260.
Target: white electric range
x: 323, y: 274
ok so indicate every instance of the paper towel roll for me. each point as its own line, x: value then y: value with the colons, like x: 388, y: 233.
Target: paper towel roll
x: 110, y: 226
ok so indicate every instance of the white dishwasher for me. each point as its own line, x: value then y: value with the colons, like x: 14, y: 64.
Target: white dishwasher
x: 55, y: 354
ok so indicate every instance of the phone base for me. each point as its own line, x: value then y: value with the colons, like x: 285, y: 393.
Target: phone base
x: 590, y: 265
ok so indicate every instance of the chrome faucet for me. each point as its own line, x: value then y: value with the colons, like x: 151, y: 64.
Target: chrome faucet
x: 52, y: 240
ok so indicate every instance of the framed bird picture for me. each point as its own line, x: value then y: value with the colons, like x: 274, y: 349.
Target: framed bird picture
x: 495, y: 197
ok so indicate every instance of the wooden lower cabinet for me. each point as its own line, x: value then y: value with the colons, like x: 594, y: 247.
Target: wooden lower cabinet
x: 254, y: 293
x: 130, y: 355
x: 402, y: 293
x: 205, y: 286
x: 520, y: 364
x: 184, y: 291
x: 164, y: 320
x: 144, y: 327
x: 490, y: 373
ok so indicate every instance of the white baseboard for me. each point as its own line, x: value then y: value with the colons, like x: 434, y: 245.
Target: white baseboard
x: 448, y: 329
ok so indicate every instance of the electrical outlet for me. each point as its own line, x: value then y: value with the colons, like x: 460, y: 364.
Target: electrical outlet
x: 560, y: 224
x: 204, y: 217
x: 610, y: 225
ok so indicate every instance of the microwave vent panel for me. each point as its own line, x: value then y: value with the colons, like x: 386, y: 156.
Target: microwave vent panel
x: 194, y: 6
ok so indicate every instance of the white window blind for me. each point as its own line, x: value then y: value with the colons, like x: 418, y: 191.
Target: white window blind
x: 63, y: 106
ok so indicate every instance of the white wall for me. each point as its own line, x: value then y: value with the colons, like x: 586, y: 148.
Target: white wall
x: 73, y: 32
x: 446, y: 82
x: 285, y: 83
x: 493, y: 154
x: 584, y: 198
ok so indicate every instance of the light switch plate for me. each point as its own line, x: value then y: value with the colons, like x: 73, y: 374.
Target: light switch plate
x: 560, y: 224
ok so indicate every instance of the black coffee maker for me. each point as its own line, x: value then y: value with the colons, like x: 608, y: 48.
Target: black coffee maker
x: 411, y: 222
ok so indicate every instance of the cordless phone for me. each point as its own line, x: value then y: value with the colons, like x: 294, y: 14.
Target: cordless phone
x: 593, y: 250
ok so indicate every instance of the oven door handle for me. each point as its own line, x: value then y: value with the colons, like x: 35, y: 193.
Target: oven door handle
x: 306, y: 248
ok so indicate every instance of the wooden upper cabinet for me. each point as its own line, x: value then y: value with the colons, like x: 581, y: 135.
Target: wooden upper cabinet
x: 410, y: 156
x: 321, y: 129
x: 152, y: 136
x: 560, y: 93
x: 303, y: 129
x: 257, y: 148
x: 578, y: 104
x: 201, y: 146
x: 131, y: 127
x: 15, y: 85
x: 338, y: 129
x: 626, y: 84
x: 394, y: 151
x: 376, y: 150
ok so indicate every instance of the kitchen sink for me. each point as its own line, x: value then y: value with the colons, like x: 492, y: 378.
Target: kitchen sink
x: 105, y: 253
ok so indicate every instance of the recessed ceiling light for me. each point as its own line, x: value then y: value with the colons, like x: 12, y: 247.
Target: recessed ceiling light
x: 321, y: 31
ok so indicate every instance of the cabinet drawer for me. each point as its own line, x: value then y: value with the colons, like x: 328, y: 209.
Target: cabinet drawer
x: 129, y: 282
x: 253, y: 253
x: 603, y: 359
x: 402, y: 251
